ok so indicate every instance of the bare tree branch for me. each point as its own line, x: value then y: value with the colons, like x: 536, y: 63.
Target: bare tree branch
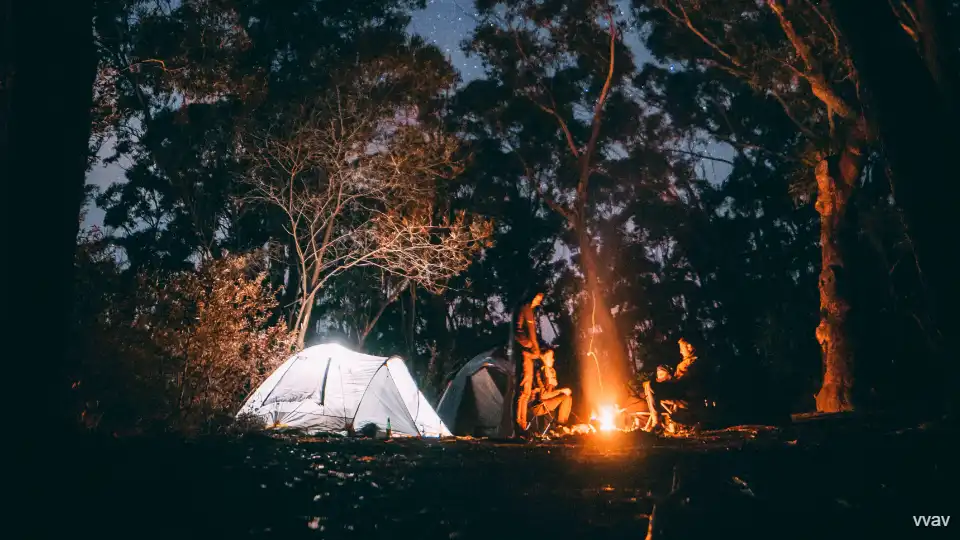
x: 685, y: 19
x: 549, y: 110
x: 812, y: 72
x: 556, y: 207
x: 597, y: 119
x: 354, y: 180
x: 699, y: 155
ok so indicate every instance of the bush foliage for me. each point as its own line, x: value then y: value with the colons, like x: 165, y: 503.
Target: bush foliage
x: 173, y: 353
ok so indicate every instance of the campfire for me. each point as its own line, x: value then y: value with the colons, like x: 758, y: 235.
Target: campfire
x: 608, y: 418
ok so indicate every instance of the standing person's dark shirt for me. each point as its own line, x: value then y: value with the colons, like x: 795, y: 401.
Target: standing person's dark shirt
x: 526, y: 334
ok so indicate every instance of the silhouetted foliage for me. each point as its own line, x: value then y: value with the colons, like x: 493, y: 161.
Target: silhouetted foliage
x: 174, y: 351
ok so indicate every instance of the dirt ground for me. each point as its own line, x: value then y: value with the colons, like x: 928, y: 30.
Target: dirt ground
x: 814, y: 480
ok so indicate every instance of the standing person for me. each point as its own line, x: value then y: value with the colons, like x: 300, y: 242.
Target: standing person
x: 529, y: 342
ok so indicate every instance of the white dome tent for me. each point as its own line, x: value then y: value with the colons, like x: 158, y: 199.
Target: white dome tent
x: 329, y: 388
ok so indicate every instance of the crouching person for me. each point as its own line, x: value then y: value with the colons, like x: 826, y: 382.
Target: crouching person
x: 552, y: 398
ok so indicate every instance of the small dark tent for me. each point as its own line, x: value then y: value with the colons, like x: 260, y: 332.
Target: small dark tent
x: 478, y: 401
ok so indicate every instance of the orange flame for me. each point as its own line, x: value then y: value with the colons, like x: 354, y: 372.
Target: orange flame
x: 607, y: 418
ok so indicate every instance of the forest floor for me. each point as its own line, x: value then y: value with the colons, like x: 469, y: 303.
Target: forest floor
x: 815, y: 479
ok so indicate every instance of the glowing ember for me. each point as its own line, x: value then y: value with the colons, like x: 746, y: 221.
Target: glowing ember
x: 607, y: 418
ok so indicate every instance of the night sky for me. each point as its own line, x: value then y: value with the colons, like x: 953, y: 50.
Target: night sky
x: 446, y: 23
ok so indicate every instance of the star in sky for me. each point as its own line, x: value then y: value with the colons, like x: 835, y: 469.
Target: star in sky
x: 446, y: 23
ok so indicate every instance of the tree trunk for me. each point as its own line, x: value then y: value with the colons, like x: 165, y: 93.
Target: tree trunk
x: 609, y: 382
x: 412, y: 334
x: 919, y: 139
x: 431, y: 378
x: 303, y: 318
x: 362, y: 338
x: 836, y: 182
x: 46, y: 89
x: 291, y: 291
x: 444, y: 336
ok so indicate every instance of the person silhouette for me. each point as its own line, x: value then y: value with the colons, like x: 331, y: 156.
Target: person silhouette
x: 529, y: 342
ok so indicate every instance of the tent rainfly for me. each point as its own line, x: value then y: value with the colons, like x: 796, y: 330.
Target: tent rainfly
x: 478, y: 401
x: 331, y: 388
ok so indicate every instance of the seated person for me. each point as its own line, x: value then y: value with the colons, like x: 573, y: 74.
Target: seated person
x: 672, y: 389
x: 663, y: 373
x: 548, y: 396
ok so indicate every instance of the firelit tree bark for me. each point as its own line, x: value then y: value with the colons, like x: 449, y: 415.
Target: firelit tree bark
x: 291, y: 291
x: 919, y: 139
x: 800, y: 70
x: 609, y: 382
x: 614, y: 368
x: 302, y: 326
x: 836, y: 182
